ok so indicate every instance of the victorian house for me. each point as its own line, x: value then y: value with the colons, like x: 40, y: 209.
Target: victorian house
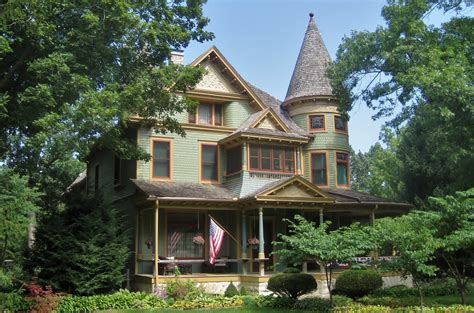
x: 248, y: 160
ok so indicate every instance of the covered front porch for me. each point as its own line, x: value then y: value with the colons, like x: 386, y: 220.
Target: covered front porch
x: 172, y: 233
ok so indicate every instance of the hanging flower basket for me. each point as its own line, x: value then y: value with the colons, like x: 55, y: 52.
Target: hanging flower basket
x: 253, y: 241
x: 198, y: 240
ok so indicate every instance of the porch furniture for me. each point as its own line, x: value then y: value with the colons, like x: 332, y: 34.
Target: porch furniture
x: 221, y: 265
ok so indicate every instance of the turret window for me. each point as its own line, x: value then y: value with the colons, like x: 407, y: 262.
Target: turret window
x: 342, y: 163
x: 272, y: 159
x: 317, y: 122
x: 340, y: 124
x: 319, y: 174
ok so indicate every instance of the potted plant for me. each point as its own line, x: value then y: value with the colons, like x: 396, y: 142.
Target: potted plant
x: 253, y: 242
x: 198, y: 240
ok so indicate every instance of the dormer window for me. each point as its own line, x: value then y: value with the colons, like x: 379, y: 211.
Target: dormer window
x: 207, y: 114
x: 272, y: 159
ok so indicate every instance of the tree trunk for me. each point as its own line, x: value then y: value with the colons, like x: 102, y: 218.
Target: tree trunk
x: 418, y: 286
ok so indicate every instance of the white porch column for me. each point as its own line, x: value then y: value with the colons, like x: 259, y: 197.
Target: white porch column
x: 261, y: 248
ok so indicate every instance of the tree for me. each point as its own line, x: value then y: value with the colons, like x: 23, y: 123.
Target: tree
x: 83, y: 249
x: 378, y: 171
x: 325, y: 247
x: 454, y: 224
x: 421, y: 76
x: 17, y: 204
x: 74, y: 74
x: 415, y: 244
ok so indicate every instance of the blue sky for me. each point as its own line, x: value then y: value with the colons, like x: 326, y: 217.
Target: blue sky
x: 262, y: 38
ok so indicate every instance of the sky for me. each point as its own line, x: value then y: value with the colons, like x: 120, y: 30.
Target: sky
x: 262, y: 39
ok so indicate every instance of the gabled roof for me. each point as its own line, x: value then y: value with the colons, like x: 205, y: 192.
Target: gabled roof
x: 214, y: 54
x: 293, y: 189
x: 309, y: 76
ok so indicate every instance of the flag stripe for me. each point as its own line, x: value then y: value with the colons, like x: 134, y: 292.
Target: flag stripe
x: 216, y: 237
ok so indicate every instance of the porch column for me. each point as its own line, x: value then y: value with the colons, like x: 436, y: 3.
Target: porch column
x: 375, y: 253
x: 298, y: 161
x: 261, y: 248
x: 244, y: 157
x: 321, y: 216
x: 137, y: 221
x: 244, y: 243
x: 156, y: 242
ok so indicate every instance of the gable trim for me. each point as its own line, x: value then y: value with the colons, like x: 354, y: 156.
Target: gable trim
x: 232, y: 70
x: 269, y: 112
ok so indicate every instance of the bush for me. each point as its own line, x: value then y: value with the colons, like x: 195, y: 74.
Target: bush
x: 338, y: 300
x: 433, y: 289
x: 121, y: 300
x: 291, y: 270
x: 207, y: 301
x: 358, y: 283
x: 314, y: 304
x: 180, y: 289
x: 13, y: 302
x: 392, y: 302
x: 231, y: 291
x: 359, y: 308
x: 243, y: 291
x: 274, y: 302
x: 249, y: 301
x: 291, y: 285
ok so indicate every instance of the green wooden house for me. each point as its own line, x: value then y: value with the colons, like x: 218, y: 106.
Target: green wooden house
x: 248, y: 160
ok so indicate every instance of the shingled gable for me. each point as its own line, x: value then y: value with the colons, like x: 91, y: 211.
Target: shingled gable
x: 309, y: 79
x: 291, y: 189
x: 215, y: 55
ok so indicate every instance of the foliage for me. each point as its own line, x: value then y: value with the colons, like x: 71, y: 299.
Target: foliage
x: 389, y: 301
x: 73, y: 74
x: 122, y: 299
x: 326, y: 248
x: 291, y: 270
x: 435, y: 288
x: 377, y: 171
x: 13, y: 302
x: 339, y: 300
x: 359, y: 308
x: 18, y: 204
x: 243, y: 291
x: 453, y: 220
x: 358, y: 283
x: 313, y: 304
x: 291, y: 285
x: 82, y: 250
x: 207, y: 301
x: 274, y: 302
x: 420, y: 75
x: 183, y: 289
x: 415, y: 244
x: 231, y: 291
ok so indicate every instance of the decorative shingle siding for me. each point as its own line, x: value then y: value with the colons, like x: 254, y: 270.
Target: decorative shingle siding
x: 235, y: 113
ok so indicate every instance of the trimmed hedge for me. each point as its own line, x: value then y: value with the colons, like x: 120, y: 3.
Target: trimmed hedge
x: 291, y: 285
x: 231, y: 291
x: 314, y: 304
x: 434, y: 289
x: 358, y: 283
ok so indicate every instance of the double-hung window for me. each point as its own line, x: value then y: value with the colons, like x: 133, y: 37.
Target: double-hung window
x: 161, y: 159
x: 209, y: 163
x: 342, y: 163
x: 319, y: 174
x: 207, y: 114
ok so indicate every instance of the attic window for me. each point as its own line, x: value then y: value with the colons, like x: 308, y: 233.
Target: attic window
x: 207, y: 114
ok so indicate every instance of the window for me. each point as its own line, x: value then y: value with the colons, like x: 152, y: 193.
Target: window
x: 209, y: 162
x: 272, y: 159
x: 340, y: 124
x: 319, y: 169
x: 234, y: 160
x: 207, y: 114
x: 117, y: 171
x: 96, y: 178
x: 317, y: 123
x: 161, y: 159
x: 181, y: 229
x: 342, y: 161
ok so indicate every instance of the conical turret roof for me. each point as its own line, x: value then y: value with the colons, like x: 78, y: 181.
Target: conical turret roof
x: 309, y: 76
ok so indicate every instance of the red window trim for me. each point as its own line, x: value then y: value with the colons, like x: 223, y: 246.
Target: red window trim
x: 213, y: 115
x: 317, y: 129
x: 326, y: 167
x: 344, y: 131
x: 153, y: 159
x: 215, y: 146
x: 347, y: 168
x: 271, y: 170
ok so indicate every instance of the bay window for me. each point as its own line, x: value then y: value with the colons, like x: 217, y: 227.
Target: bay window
x: 272, y: 159
x: 342, y: 164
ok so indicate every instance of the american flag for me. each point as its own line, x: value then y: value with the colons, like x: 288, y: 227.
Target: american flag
x: 216, y: 236
x: 174, y: 239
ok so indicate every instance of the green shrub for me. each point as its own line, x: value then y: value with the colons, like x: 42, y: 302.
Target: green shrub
x: 274, y: 302
x: 231, y: 291
x: 358, y: 283
x: 13, y: 302
x: 359, y: 308
x: 291, y: 284
x: 180, y: 289
x: 209, y: 302
x: 338, y: 300
x: 243, y: 291
x: 392, y: 302
x: 121, y: 300
x: 249, y: 301
x: 291, y: 270
x: 433, y: 289
x: 314, y: 304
